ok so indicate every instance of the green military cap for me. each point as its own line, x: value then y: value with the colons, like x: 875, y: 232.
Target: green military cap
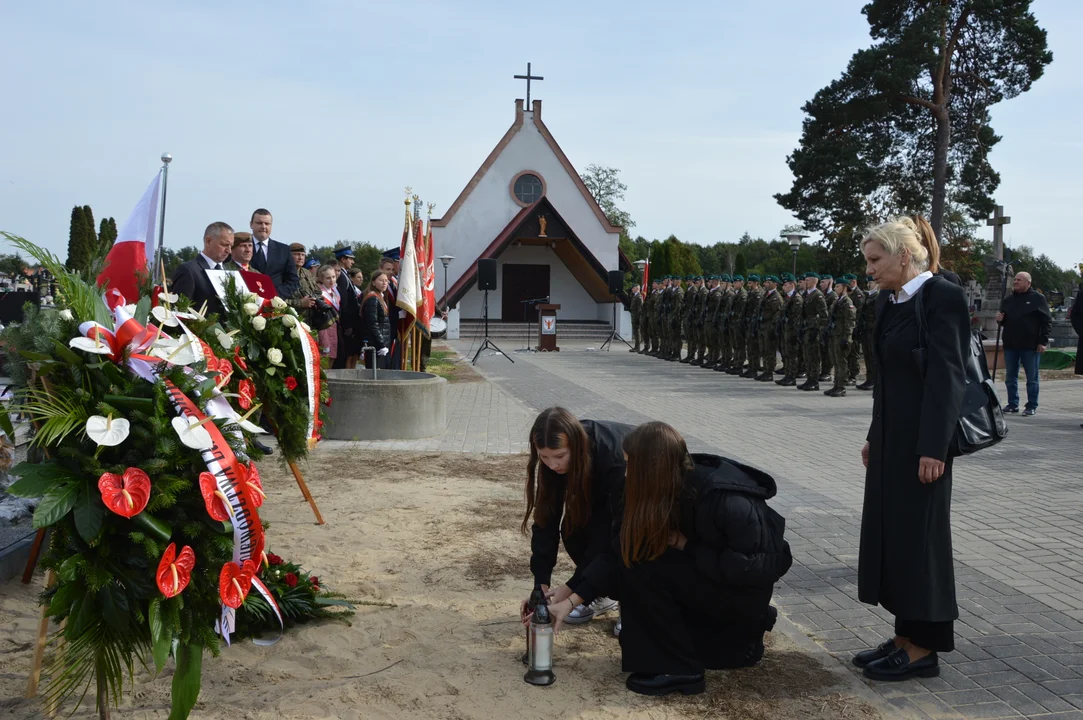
x: 724, y: 277
x: 689, y: 276
x: 849, y: 276
x: 810, y: 274
x: 771, y: 278
x: 826, y: 277
x: 738, y: 278
x: 754, y: 277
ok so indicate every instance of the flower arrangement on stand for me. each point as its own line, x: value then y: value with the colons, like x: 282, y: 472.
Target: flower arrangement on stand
x: 149, y: 491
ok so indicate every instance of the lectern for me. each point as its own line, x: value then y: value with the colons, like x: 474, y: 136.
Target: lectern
x: 547, y: 328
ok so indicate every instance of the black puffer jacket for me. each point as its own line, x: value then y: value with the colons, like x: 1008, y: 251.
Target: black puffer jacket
x: 375, y: 325
x: 735, y: 538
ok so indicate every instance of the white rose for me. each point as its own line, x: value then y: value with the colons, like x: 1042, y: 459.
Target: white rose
x: 274, y: 355
x: 251, y: 308
x: 278, y: 303
x: 296, y: 332
x: 259, y: 322
x: 66, y: 314
x: 251, y: 298
x: 289, y: 321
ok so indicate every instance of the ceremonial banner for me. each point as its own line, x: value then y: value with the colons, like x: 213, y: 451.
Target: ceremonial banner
x: 134, y: 246
x: 428, y: 283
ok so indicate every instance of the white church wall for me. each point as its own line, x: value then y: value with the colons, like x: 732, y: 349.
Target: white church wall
x: 490, y: 207
x: 575, y: 302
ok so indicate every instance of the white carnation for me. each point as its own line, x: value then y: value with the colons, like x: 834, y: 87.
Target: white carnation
x: 259, y: 322
x: 274, y: 355
x: 251, y: 308
x: 278, y: 303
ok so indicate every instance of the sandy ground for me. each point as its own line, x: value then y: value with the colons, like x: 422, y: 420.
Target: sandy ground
x: 436, y: 536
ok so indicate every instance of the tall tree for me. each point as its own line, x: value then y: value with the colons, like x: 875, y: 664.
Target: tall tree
x: 908, y: 122
x: 77, y: 233
x: 107, y: 235
x: 605, y: 185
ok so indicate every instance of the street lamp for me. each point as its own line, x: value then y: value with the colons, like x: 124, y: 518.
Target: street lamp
x: 641, y: 264
x: 794, y: 238
x: 446, y: 260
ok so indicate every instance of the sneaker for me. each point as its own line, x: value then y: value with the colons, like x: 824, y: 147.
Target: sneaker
x: 1028, y: 412
x: 1011, y: 409
x: 616, y: 630
x: 584, y: 613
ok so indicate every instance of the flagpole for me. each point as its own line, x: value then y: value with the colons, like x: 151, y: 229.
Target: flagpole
x: 166, y: 159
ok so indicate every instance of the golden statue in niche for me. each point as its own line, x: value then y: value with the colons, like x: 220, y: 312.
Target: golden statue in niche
x: 542, y: 222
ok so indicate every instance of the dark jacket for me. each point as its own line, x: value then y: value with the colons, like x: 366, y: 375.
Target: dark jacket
x: 279, y: 266
x: 375, y: 325
x: 588, y: 547
x: 1027, y: 320
x: 190, y: 280
x: 349, y: 314
x: 1077, y: 325
x: 950, y: 277
x: 735, y: 538
x: 905, y: 557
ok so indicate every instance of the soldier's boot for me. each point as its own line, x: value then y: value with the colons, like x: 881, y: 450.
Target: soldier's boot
x: 781, y: 371
x: 867, y: 385
x: 835, y: 392
x: 750, y: 371
x: 786, y: 382
x: 809, y: 385
x: 634, y: 349
x: 824, y: 377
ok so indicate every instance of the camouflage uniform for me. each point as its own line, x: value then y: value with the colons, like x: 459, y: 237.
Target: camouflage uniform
x: 857, y: 297
x: 685, y: 327
x: 865, y: 322
x: 676, y: 308
x: 770, y: 320
x: 737, y: 328
x: 698, y: 342
x: 826, y: 369
x: 752, y: 328
x: 710, y: 323
x: 814, y: 315
x: 791, y: 337
x: 840, y: 331
x: 722, y: 322
x: 635, y: 308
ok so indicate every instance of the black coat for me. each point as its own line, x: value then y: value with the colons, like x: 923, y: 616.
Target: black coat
x: 1027, y: 320
x: 588, y: 547
x: 1077, y: 325
x: 349, y: 314
x: 905, y: 560
x: 190, y: 280
x: 375, y: 325
x: 279, y: 266
x: 737, y: 541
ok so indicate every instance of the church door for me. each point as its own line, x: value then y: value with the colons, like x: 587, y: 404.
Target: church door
x: 522, y: 282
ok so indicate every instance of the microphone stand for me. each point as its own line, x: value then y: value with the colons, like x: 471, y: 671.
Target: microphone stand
x: 526, y: 314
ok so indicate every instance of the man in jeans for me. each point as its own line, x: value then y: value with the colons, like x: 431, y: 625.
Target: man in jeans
x: 1026, y: 321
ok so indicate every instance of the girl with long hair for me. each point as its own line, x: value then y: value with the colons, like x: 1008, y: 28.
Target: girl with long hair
x: 376, y: 321
x: 699, y: 552
x: 573, y: 487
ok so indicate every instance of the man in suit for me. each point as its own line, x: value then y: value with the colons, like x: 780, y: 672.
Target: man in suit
x: 272, y: 257
x: 190, y: 279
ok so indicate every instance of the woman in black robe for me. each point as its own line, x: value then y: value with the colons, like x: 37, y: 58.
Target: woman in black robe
x: 905, y: 560
x: 699, y: 553
x: 575, y: 478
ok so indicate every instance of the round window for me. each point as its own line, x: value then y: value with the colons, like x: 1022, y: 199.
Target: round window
x: 528, y: 189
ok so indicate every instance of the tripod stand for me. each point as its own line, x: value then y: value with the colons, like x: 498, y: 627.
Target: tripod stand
x: 609, y: 340
x: 488, y: 343
x: 527, y: 306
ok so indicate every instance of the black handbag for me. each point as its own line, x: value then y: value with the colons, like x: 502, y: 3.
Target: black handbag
x: 981, y: 421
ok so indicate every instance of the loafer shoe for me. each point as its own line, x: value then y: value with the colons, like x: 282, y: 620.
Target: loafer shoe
x: 897, y: 667
x: 879, y: 652
x: 646, y: 684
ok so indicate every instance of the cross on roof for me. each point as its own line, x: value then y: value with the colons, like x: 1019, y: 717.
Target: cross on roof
x: 528, y: 77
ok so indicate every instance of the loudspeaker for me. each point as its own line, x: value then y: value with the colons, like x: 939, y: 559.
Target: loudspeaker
x: 486, y: 274
x: 616, y: 282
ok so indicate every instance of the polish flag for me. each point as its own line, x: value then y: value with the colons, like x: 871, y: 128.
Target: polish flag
x: 128, y: 260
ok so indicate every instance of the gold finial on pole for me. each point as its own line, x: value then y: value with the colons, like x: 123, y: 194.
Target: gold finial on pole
x: 430, y: 207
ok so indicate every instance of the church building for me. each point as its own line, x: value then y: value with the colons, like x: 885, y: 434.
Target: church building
x: 527, y: 208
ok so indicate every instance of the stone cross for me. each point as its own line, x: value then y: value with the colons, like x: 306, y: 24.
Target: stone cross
x: 528, y: 77
x: 998, y: 221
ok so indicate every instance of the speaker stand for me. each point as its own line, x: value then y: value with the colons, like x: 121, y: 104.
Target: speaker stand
x: 488, y: 344
x: 609, y: 340
x: 526, y: 313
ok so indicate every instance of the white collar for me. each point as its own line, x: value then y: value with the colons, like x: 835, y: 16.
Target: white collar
x: 911, y: 288
x: 210, y: 263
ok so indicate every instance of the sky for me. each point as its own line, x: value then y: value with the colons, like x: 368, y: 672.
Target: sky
x: 324, y: 111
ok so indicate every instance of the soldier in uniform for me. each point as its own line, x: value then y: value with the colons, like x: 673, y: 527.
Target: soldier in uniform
x: 857, y: 297
x: 696, y: 345
x: 659, y: 317
x: 866, y: 319
x: 679, y: 310
x: 770, y: 321
x: 827, y: 284
x: 722, y: 322
x: 840, y: 332
x: 814, y: 316
x: 710, y: 321
x: 737, y: 325
x: 752, y: 326
x: 635, y: 308
x: 791, y: 331
x: 684, y: 329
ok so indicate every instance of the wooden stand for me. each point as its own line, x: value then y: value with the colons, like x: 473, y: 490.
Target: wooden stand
x: 304, y: 491
x: 547, y: 324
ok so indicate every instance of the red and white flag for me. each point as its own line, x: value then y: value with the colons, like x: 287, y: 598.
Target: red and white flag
x: 409, y: 295
x: 428, y: 284
x: 134, y: 246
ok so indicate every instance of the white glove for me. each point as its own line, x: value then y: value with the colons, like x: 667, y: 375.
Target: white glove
x: 383, y: 352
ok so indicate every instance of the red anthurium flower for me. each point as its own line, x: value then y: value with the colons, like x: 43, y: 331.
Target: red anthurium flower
x: 213, y: 498
x: 238, y: 360
x: 255, y: 485
x: 258, y: 556
x: 225, y: 369
x: 247, y: 390
x: 291, y: 383
x: 127, y: 494
x: 235, y: 581
x: 175, y: 571
x: 208, y: 355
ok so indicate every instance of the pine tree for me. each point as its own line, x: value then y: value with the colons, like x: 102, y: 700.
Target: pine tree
x: 90, y: 241
x: 77, y: 257
x: 107, y: 235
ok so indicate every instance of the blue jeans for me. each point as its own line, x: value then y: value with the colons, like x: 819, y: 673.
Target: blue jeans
x: 1029, y: 360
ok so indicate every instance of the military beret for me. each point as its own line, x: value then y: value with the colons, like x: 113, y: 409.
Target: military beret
x: 811, y: 274
x: 770, y: 278
x: 738, y: 278
x: 825, y: 276
x: 754, y: 277
x: 241, y: 237
x: 849, y: 276
x: 689, y: 276
x: 725, y: 278
x: 297, y: 247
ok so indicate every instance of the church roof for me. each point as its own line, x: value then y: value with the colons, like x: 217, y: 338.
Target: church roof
x: 584, y: 266
x: 516, y: 126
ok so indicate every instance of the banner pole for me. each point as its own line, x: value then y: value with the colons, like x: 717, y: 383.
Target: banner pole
x: 166, y: 159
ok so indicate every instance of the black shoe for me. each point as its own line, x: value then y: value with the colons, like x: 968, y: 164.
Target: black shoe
x: 897, y: 666
x: 1011, y: 409
x: 879, y: 652
x: 635, y: 349
x: 809, y: 386
x: 749, y: 373
x: 262, y: 448
x: 685, y: 360
x: 866, y: 385
x: 802, y: 375
x: 851, y: 382
x: 826, y: 377
x: 787, y: 382
x: 646, y: 684
x: 780, y: 372
x: 720, y: 367
x: 835, y: 392
x: 733, y: 371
